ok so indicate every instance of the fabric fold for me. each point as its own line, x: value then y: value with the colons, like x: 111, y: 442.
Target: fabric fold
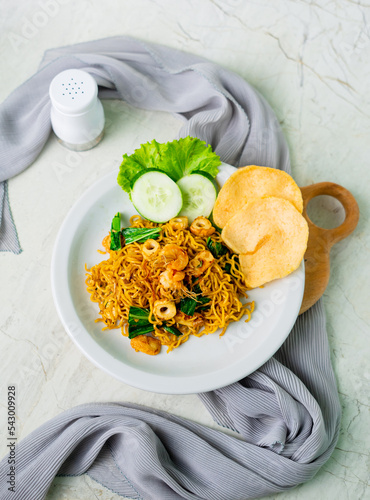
x: 9, y: 241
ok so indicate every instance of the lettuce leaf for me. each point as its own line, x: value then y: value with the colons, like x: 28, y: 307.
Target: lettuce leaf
x: 176, y: 158
x: 147, y: 156
x: 187, y: 156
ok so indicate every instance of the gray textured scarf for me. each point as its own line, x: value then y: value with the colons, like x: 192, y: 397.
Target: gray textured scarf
x: 287, y: 412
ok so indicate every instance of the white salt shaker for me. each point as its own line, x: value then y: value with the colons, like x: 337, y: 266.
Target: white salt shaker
x: 77, y: 115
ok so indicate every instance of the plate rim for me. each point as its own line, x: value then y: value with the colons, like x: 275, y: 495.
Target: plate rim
x: 135, y: 377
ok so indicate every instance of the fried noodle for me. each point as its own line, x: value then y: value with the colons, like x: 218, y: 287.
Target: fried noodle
x: 129, y: 278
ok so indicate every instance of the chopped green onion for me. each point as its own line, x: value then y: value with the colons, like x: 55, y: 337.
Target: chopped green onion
x: 196, y: 289
x: 138, y: 323
x: 200, y: 298
x: 138, y: 316
x: 187, y: 306
x: 116, y: 223
x: 140, y: 234
x: 134, y: 331
x: 227, y: 268
x: 216, y: 248
x: 173, y: 330
x: 115, y: 233
x: 203, y: 300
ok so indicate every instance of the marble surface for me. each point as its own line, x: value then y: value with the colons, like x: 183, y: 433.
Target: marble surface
x: 311, y: 60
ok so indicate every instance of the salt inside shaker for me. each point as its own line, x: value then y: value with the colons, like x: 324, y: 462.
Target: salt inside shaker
x: 77, y: 115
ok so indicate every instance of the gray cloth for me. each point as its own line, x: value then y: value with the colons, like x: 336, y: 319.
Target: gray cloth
x: 8, y: 234
x: 287, y: 412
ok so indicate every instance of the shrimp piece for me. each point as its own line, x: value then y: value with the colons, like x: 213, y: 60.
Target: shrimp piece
x: 150, y: 248
x: 171, y: 279
x: 202, y: 227
x: 179, y: 223
x: 146, y: 344
x: 176, y: 258
x: 201, y: 262
x: 164, y: 309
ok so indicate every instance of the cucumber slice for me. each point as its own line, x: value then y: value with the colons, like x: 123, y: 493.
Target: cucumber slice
x: 199, y: 195
x: 156, y: 197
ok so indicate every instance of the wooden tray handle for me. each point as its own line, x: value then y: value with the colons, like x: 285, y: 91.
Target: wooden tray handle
x: 320, y: 240
x: 348, y: 201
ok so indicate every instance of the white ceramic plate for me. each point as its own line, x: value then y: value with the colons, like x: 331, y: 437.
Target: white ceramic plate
x: 201, y: 364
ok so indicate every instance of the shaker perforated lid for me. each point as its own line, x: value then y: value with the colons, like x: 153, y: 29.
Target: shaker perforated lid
x: 73, y: 91
x: 77, y: 115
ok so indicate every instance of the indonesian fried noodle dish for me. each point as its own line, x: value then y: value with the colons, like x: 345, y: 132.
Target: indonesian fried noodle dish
x: 182, y: 268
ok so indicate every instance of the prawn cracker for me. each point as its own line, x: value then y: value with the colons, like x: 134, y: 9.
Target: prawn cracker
x: 271, y: 237
x: 254, y: 182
